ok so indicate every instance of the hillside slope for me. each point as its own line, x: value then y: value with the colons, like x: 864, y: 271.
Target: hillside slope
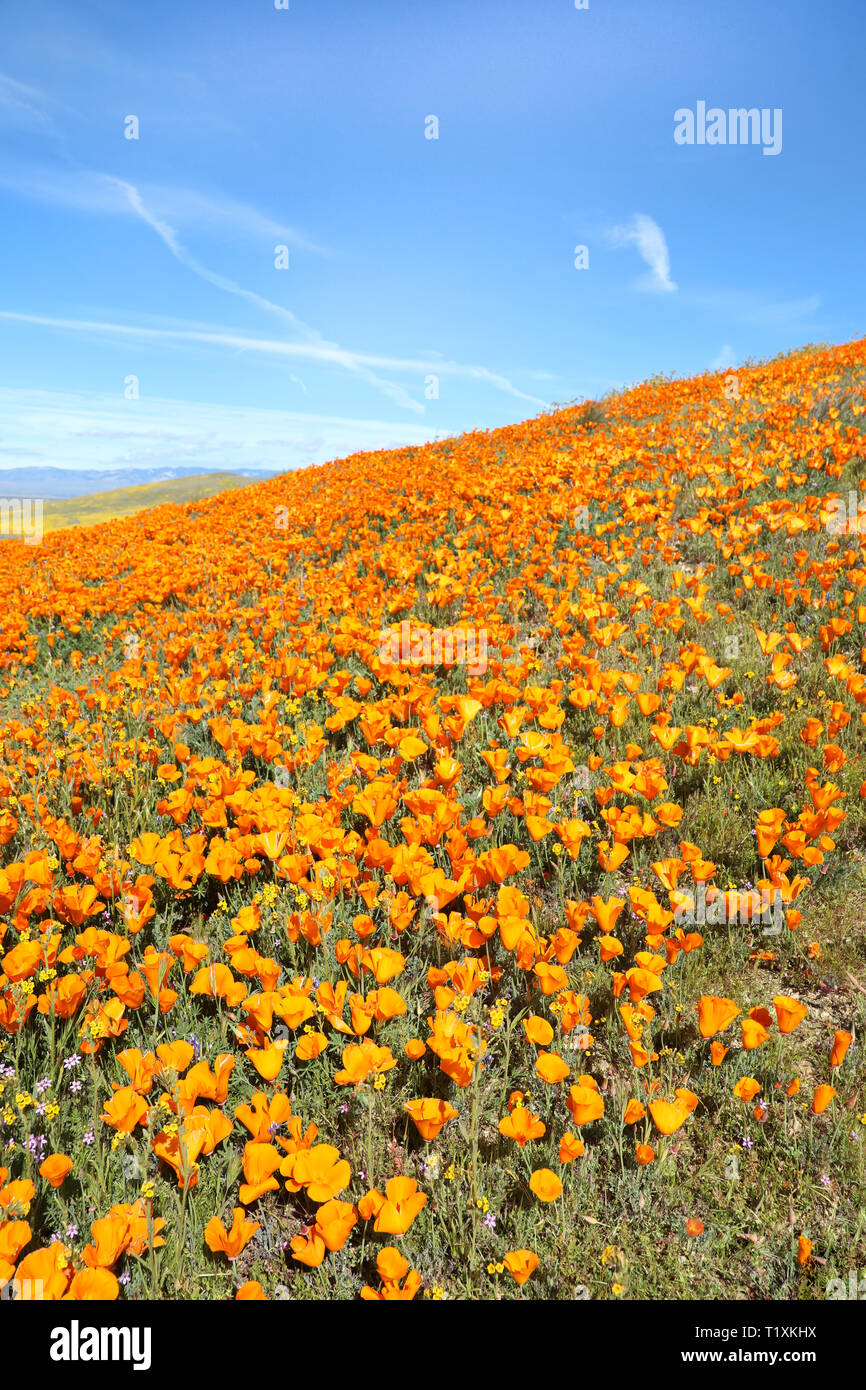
x: 66, y: 484
x: 453, y: 857
x: 96, y: 507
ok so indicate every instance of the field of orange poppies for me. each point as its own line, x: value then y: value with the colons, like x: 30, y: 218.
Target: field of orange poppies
x: 440, y: 874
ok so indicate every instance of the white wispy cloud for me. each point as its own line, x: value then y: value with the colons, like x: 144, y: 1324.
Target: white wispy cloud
x: 94, y: 192
x: 169, y: 237
x: 24, y: 107
x: 187, y: 206
x: 91, y: 430
x: 104, y: 194
x: 84, y: 190
x: 328, y: 354
x: 649, y: 239
x: 357, y: 364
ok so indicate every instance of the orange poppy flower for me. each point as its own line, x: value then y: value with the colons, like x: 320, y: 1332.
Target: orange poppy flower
x: 20, y: 1193
x: 611, y: 859
x: 789, y: 1012
x: 310, y: 1046
x: 768, y: 829
x: 125, y: 1110
x: 22, y: 961
x: 841, y: 1042
x: 538, y: 1030
x: 62, y: 996
x: 110, y: 1237
x: 260, y: 1163
x: 140, y: 1068
x: 402, y: 1203
x: 219, y: 982
x: 522, y: 1126
x: 261, y: 1114
x: 714, y: 1014
x: 14, y: 1235
x: 268, y: 1061
x: 320, y: 1170
x: 585, y: 1103
x: 570, y: 1148
x: 251, y: 1292
x: 644, y: 1154
x: 747, y: 1088
x: 668, y: 1116
x: 762, y: 1016
x: 606, y: 913
x: 641, y: 982
x: 545, y: 1184
x: 520, y: 1264
x: 361, y: 1060
x: 233, y: 1241
x: 822, y: 1098
x: 399, y: 1282
x: 334, y: 1223
x: 429, y: 1115
x: 384, y: 963
x: 43, y: 1275
x: 754, y: 1033
x: 175, y: 1056
x: 309, y: 1249
x: 551, y: 1068
x: 93, y: 1286
x: 55, y: 1168
x: 391, y: 1265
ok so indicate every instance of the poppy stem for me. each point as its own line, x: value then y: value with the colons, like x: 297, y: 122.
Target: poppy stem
x: 152, y: 1251
x: 181, y: 1245
x: 473, y: 1164
x: 369, y: 1145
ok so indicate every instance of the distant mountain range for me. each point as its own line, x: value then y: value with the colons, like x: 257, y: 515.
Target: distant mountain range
x: 57, y: 483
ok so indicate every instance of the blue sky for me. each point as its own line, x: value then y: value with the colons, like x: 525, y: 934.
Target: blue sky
x: 409, y: 257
